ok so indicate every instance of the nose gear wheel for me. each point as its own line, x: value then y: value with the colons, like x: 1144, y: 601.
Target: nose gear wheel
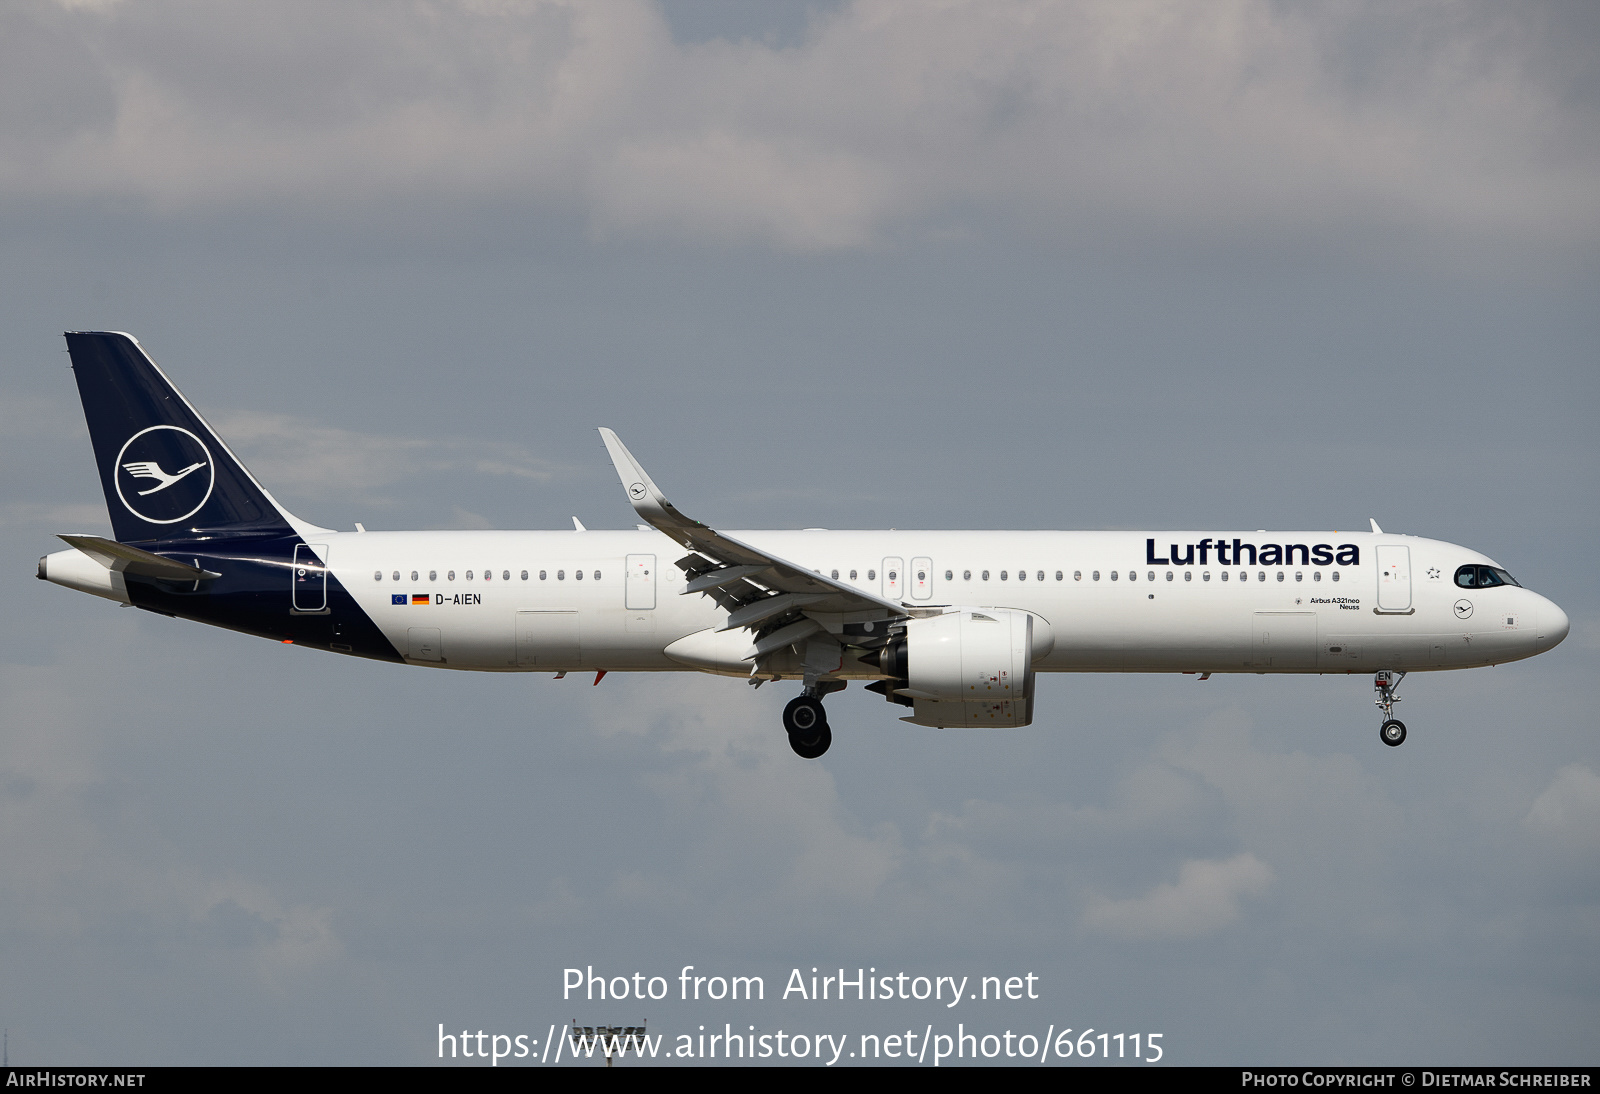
x: 1387, y: 683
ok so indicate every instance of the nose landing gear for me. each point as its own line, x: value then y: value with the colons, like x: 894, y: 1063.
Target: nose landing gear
x: 1393, y: 731
x: 806, y: 722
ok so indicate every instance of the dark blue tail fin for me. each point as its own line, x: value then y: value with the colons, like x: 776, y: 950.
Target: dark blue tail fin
x: 166, y: 473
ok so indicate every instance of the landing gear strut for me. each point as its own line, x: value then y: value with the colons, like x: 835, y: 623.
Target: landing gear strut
x: 807, y: 725
x: 1393, y: 731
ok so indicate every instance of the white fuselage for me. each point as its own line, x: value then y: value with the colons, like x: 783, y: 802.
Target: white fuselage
x: 1109, y: 601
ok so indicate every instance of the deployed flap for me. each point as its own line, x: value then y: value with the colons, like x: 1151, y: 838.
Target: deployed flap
x: 125, y: 559
x: 821, y: 594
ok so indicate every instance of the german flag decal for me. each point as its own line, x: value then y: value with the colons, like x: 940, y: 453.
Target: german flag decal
x: 419, y: 598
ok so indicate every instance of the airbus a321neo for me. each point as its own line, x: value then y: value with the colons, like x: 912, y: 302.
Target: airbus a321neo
x: 952, y: 626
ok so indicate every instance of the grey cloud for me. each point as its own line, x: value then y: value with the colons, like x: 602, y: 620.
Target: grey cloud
x: 1569, y: 808
x: 1204, y: 899
x: 62, y: 851
x: 298, y: 458
x: 1205, y: 121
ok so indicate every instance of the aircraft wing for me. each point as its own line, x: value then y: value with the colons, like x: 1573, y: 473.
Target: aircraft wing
x: 773, y: 597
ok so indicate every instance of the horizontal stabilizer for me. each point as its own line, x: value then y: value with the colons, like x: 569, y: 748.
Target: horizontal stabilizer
x: 130, y: 560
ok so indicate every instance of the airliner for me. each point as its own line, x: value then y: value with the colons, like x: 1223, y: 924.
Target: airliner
x: 952, y: 626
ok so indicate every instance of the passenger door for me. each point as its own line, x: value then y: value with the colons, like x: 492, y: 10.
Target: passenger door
x: 1394, y: 578
x: 309, y: 580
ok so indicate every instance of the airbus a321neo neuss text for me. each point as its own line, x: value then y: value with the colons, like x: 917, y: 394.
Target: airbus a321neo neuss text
x: 952, y: 626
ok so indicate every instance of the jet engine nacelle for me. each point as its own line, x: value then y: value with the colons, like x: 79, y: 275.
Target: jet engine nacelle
x: 967, y: 668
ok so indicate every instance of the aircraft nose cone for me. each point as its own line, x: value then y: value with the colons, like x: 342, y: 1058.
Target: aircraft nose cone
x: 1556, y: 624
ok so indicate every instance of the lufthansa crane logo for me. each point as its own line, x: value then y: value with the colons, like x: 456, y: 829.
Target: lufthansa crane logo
x: 636, y: 491
x: 164, y: 474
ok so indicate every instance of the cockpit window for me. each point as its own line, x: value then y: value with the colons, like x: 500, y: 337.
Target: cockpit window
x: 1483, y: 577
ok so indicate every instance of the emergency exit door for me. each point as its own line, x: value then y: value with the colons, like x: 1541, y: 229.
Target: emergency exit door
x: 640, y: 583
x: 894, y: 578
x: 921, y: 578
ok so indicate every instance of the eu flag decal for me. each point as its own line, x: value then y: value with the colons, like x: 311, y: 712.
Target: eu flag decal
x: 397, y: 598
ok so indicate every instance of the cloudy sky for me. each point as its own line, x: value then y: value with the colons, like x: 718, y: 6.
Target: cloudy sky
x: 990, y: 265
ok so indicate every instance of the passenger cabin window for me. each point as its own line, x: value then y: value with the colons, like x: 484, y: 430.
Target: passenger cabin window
x: 577, y: 575
x: 834, y: 574
x: 949, y: 576
x: 597, y: 575
x: 413, y: 575
x: 1206, y: 576
x: 1169, y: 575
x: 1316, y: 575
x: 1113, y: 575
x: 488, y: 575
x: 1280, y: 575
x: 1188, y: 575
x: 872, y: 575
x: 1133, y: 575
x: 966, y: 575
x: 1336, y: 575
x: 852, y: 575
x: 1224, y: 575
x: 1022, y: 575
x: 377, y: 575
x: 984, y: 575
x: 433, y: 575
x: 469, y: 575
x: 397, y: 575
x: 541, y: 575
x: 1058, y: 576
x: 450, y: 575
x: 1003, y: 575
x: 524, y: 575
x: 1077, y: 575
x: 505, y: 575
x: 561, y: 575
x: 1095, y: 575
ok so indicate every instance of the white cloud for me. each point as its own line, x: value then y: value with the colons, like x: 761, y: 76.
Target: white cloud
x: 298, y: 458
x: 64, y: 867
x: 779, y: 837
x: 1210, y: 119
x: 1204, y: 900
x: 1569, y: 808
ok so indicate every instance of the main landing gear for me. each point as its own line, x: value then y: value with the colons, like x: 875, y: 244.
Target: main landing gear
x: 1393, y: 731
x: 806, y: 723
